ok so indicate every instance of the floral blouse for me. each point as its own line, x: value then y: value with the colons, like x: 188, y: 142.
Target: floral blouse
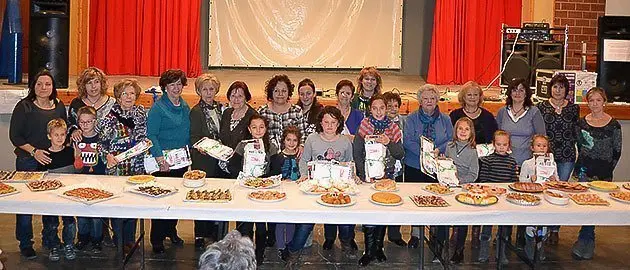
x: 119, y: 131
x: 561, y: 130
x: 599, y: 149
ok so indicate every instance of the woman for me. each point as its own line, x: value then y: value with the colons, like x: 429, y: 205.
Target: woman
x: 234, y: 120
x: 389, y: 135
x: 92, y: 90
x: 327, y: 138
x: 279, y: 112
x: 205, y: 120
x: 561, y: 118
x: 120, y: 129
x: 27, y: 132
x: 368, y: 83
x: 308, y: 103
x: 470, y: 99
x: 599, y: 146
x: 168, y: 118
x: 429, y: 122
x: 353, y: 117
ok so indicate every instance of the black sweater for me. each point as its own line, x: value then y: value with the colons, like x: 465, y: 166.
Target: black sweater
x: 29, y: 122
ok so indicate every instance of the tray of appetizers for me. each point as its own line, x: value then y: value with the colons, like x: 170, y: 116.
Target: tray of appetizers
x: 44, y: 185
x: 152, y: 189
x: 7, y: 190
x: 25, y: 177
x: 490, y: 190
x: 87, y: 193
x: 260, y: 183
x: 522, y: 199
x: 267, y: 196
x: 566, y: 186
x: 385, y: 185
x: 622, y: 196
x: 428, y: 201
x: 208, y: 196
x: 438, y: 189
x: 336, y: 199
x: 527, y: 187
x: 588, y: 199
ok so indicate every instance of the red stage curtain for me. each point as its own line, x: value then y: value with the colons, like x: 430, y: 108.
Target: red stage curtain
x: 466, y: 39
x: 145, y: 37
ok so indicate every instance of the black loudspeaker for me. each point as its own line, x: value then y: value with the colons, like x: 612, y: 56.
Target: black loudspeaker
x: 548, y: 55
x: 49, y: 39
x: 613, y: 69
x: 518, y: 66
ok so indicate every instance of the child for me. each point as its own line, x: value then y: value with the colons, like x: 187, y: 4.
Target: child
x: 498, y: 167
x: 258, y: 128
x: 62, y: 161
x: 464, y: 155
x: 90, y: 230
x: 540, y: 147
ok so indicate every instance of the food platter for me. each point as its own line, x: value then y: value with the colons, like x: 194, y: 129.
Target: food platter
x: 527, y: 187
x: 87, y: 193
x: 194, y: 179
x: 385, y: 185
x: 465, y: 199
x: 44, y: 185
x: 603, y: 186
x: 6, y: 175
x: 313, y: 189
x: 140, y: 179
x: 336, y: 200
x: 208, y: 196
x: 428, y: 201
x: 588, y: 199
x: 626, y: 186
x: 386, y: 199
x: 490, y: 190
x: 24, y: 177
x: 566, y: 186
x: 152, y: 189
x: 523, y: 199
x: 267, y: 196
x: 623, y: 196
x: 556, y: 197
x: 259, y: 183
x: 7, y: 190
x: 438, y: 189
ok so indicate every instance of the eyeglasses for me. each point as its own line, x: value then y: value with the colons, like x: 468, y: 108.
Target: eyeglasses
x: 88, y: 122
x: 128, y: 94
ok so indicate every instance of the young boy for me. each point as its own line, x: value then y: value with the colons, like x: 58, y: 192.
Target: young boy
x: 90, y: 229
x: 62, y: 161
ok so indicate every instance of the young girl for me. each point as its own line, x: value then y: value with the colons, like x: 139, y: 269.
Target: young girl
x: 464, y: 155
x: 257, y: 127
x: 498, y: 167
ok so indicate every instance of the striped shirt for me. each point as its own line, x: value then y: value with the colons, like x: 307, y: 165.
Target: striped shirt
x: 496, y: 168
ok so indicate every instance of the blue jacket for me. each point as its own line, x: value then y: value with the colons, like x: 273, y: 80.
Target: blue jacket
x: 413, y: 132
x: 354, y: 120
x: 168, y: 126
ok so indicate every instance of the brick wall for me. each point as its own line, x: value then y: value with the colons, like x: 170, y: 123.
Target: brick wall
x: 581, y: 17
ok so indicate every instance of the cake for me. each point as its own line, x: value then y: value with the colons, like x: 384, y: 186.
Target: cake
x: 386, y: 198
x: 385, y: 185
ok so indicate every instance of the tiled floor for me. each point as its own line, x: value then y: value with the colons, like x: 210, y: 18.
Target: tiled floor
x: 612, y: 252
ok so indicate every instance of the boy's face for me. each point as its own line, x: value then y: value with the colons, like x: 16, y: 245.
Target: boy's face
x: 57, y: 136
x: 501, y: 144
x: 87, y: 122
x: 392, y: 108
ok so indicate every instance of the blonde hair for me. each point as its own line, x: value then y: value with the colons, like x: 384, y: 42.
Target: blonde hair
x: 540, y: 136
x: 467, y: 87
x: 55, y: 124
x: 86, y: 76
x: 471, y: 139
x: 428, y: 87
x: 86, y: 110
x: 596, y: 90
x: 371, y: 71
x: 206, y: 77
x: 120, y: 86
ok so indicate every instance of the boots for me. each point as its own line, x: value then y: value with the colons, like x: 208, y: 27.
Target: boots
x: 474, y: 241
x: 260, y: 249
x: 369, y: 234
x: 380, y: 237
x: 484, y: 251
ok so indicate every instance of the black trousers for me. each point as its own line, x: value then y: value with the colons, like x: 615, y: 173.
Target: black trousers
x: 259, y: 237
x: 162, y: 228
x: 211, y: 229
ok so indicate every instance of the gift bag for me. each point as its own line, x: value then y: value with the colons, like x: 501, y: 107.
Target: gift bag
x: 428, y: 163
x: 375, y: 154
x: 254, y: 163
x: 545, y: 167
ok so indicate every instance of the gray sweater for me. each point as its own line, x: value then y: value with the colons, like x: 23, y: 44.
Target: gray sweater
x: 466, y: 161
x: 316, y: 148
x: 522, y: 131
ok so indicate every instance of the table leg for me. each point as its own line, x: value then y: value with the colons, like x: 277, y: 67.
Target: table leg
x: 500, y: 244
x: 421, y: 247
x: 142, y: 247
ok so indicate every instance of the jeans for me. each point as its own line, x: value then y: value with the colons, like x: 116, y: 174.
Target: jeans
x: 346, y: 232
x: 587, y: 233
x: 50, y: 239
x: 284, y: 234
x: 24, y: 223
x: 302, y: 231
x: 564, y: 170
x: 128, y: 227
x: 90, y: 229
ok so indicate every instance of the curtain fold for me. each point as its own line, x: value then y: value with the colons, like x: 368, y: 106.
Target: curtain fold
x: 145, y: 37
x: 466, y: 40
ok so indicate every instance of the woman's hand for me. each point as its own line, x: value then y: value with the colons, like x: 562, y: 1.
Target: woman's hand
x: 42, y: 156
x: 111, y: 161
x: 77, y: 135
x: 382, y: 139
x: 164, y: 166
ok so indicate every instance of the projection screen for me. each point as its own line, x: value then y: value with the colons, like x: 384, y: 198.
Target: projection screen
x: 305, y: 33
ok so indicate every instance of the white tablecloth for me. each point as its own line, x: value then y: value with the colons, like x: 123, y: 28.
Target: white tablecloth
x: 302, y: 208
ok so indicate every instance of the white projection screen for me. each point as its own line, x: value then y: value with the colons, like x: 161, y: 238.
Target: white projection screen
x: 305, y: 33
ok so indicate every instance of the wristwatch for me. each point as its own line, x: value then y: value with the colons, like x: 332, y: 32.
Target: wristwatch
x: 33, y: 151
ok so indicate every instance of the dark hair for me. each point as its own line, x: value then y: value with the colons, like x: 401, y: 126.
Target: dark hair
x: 392, y: 96
x: 171, y: 76
x: 335, y: 113
x: 265, y: 138
x: 271, y: 84
x: 343, y: 83
x: 236, y: 85
x: 291, y: 130
x: 31, y: 89
x: 562, y: 80
x: 513, y: 85
x: 376, y: 97
x: 315, y: 106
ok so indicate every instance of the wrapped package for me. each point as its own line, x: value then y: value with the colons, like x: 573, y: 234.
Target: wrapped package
x: 254, y: 163
x: 375, y: 154
x: 214, y: 149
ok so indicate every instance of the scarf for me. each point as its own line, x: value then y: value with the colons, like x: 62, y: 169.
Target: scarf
x: 379, y: 125
x: 428, y: 122
x: 211, y: 112
x: 371, y: 126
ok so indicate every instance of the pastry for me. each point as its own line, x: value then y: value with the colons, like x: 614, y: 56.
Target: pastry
x: 523, y: 198
x: 336, y: 198
x: 588, y: 199
x: 476, y: 197
x: 527, y: 187
x: 154, y: 191
x: 566, y: 186
x: 622, y: 196
x: 386, y: 198
x: 490, y: 190
x: 428, y: 201
x: 268, y: 195
x: 259, y: 182
x: 27, y: 176
x: 140, y: 179
x: 438, y: 189
x: 195, y: 175
x: 6, y: 189
x: 44, y: 185
x: 215, y: 195
x: 385, y: 185
x: 603, y: 185
x: 88, y: 194
x: 556, y: 197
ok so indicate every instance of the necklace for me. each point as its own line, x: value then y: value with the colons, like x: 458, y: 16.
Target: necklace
x: 473, y: 112
x: 48, y: 106
x: 93, y: 102
x: 517, y: 113
x: 558, y: 108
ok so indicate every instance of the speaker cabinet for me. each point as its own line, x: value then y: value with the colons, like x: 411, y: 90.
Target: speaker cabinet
x: 49, y: 39
x: 548, y: 55
x: 518, y: 66
x: 614, y: 69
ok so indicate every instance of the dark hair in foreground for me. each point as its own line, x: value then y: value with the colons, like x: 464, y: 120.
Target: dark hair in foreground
x: 335, y: 113
x: 234, y: 252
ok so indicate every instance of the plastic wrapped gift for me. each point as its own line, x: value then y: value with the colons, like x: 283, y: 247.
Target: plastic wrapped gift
x: 484, y: 149
x: 428, y: 162
x: 374, y: 160
x: 136, y: 150
x: 177, y: 158
x: 254, y: 162
x: 326, y: 171
x: 214, y: 149
x: 447, y: 172
x: 545, y: 166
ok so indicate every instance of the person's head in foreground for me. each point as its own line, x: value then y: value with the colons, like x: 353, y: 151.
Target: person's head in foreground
x: 233, y: 252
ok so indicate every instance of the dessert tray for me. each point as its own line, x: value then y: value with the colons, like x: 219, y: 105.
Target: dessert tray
x: 267, y: 196
x: 428, y: 201
x: 335, y: 199
x: 208, y: 196
x: 603, y: 186
x: 152, y: 189
x: 194, y: 178
x: 7, y: 190
x: 260, y: 183
x: 385, y: 185
x: 476, y: 197
x: 44, y: 185
x: 566, y: 186
x: 490, y: 190
x: 527, y: 187
x: 140, y: 179
x: 620, y: 196
x: 556, y: 197
x: 588, y: 199
x: 386, y: 199
x: 438, y: 189
x: 87, y: 193
x: 6, y: 175
x: 313, y: 187
x: 523, y: 199
x: 24, y: 177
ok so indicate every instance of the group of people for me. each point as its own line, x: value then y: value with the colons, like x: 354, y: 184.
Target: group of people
x: 49, y: 138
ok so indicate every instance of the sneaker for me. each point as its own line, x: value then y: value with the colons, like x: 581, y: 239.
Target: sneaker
x: 200, y: 243
x: 28, y: 253
x: 82, y: 245
x: 69, y: 252
x: 97, y: 248
x: 54, y: 255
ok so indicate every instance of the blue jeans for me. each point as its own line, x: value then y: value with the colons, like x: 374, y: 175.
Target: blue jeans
x: 24, y: 223
x: 300, y: 236
x: 346, y: 232
x: 587, y: 233
x: 564, y: 170
x: 128, y: 227
x: 90, y: 229
x: 50, y: 239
